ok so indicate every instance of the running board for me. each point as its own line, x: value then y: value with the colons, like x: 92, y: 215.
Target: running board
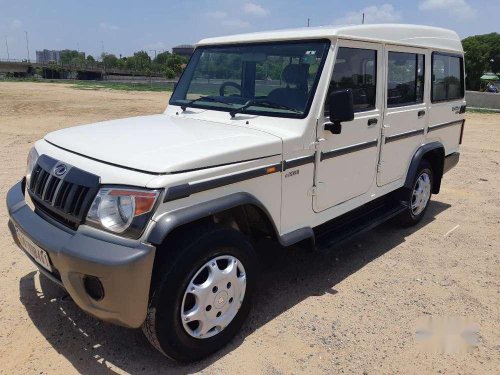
x: 344, y: 228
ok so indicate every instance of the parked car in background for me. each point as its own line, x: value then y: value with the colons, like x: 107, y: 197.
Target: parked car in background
x: 490, y: 87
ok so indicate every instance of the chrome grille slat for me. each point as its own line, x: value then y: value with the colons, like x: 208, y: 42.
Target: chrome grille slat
x: 34, y: 176
x: 79, y: 201
x: 56, y: 192
x: 47, y: 186
x: 70, y: 198
x: 40, y: 182
x: 63, y: 198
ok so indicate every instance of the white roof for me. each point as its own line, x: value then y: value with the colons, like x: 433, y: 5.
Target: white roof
x: 415, y: 35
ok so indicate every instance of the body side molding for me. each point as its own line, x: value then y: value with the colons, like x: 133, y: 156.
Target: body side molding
x: 297, y: 162
x: 445, y: 125
x: 348, y: 149
x: 397, y: 137
x: 185, y: 190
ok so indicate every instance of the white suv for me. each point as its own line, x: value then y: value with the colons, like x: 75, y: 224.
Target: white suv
x: 308, y: 135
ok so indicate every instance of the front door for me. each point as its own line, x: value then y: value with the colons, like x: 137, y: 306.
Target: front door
x: 349, y: 160
x: 406, y: 111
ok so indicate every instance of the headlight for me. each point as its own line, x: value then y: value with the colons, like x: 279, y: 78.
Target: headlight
x: 123, y: 211
x: 30, y: 164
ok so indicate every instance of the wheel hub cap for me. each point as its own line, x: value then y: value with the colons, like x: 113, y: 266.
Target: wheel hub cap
x: 213, y: 297
x: 421, y: 193
x: 221, y: 299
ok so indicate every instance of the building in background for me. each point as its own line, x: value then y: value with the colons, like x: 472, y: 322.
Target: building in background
x: 185, y: 50
x: 47, y: 56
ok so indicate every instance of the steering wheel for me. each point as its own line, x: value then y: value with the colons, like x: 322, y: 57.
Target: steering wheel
x: 222, y: 87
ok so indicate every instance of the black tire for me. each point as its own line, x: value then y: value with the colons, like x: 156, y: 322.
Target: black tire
x: 193, y: 248
x: 408, y: 217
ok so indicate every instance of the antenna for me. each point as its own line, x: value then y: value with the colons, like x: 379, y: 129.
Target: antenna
x: 7, y: 45
x: 27, y: 46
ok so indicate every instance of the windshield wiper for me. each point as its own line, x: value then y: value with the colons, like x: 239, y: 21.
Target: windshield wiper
x: 208, y: 98
x: 263, y: 103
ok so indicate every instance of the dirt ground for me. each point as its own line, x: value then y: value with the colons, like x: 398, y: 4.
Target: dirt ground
x: 355, y: 311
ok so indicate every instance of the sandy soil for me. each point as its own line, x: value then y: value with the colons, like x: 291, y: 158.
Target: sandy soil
x: 350, y: 312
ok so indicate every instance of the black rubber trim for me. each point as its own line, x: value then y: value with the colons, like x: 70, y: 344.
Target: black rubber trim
x: 171, y: 220
x: 397, y: 137
x: 157, y: 173
x: 185, y: 190
x: 415, y: 162
x: 450, y: 161
x: 293, y: 163
x: 445, y: 125
x: 348, y: 150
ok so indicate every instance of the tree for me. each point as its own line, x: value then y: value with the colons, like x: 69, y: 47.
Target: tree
x: 162, y: 58
x: 168, y: 73
x: 139, y: 62
x: 109, y: 60
x: 121, y: 63
x: 482, y: 54
x: 90, y: 59
x: 175, y: 62
x: 71, y: 56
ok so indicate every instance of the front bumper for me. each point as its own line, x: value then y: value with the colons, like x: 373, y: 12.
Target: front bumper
x: 122, y: 266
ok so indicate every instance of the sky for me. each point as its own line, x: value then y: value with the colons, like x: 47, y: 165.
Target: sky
x: 122, y: 27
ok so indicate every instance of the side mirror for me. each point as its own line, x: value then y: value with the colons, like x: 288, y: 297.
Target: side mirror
x: 341, y: 109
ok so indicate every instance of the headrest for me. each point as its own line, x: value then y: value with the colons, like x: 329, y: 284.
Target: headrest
x: 295, y: 74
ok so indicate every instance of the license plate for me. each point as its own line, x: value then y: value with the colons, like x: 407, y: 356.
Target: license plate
x: 40, y: 255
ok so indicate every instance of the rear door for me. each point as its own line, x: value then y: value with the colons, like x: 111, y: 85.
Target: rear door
x: 348, y: 160
x: 446, y: 112
x: 406, y: 111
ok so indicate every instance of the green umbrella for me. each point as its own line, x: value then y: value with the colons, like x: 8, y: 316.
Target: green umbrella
x: 490, y: 77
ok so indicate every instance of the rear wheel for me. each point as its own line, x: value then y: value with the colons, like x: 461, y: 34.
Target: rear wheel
x: 418, y: 197
x: 203, y: 298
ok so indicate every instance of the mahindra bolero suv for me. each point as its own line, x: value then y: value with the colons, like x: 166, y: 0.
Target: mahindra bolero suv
x: 309, y: 136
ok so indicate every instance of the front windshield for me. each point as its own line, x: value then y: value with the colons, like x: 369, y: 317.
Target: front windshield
x: 272, y: 79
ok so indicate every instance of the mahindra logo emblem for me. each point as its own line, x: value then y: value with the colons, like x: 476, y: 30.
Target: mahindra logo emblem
x: 60, y: 170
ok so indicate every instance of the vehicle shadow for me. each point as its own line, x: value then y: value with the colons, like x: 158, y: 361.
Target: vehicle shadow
x: 292, y: 276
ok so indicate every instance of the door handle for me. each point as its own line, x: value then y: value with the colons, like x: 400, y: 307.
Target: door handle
x: 421, y: 113
x: 372, y: 121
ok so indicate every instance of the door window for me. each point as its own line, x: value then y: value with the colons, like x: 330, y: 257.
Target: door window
x: 355, y: 69
x: 405, y: 80
x: 447, y: 77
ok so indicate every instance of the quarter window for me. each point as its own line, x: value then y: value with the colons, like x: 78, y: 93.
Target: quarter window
x: 447, y: 77
x: 405, y: 80
x: 356, y: 69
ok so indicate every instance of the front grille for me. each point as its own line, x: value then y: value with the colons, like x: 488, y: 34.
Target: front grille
x: 66, y: 198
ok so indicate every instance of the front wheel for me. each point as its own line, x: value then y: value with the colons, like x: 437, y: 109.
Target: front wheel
x: 418, y: 197
x: 202, y: 300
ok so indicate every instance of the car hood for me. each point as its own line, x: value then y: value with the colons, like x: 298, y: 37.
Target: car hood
x: 165, y: 144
